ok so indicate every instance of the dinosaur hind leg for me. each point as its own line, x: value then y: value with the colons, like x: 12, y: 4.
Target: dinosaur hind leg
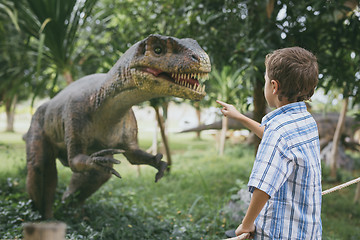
x: 41, y: 178
x: 84, y: 184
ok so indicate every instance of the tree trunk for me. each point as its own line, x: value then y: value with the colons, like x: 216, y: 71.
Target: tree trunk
x: 337, y: 136
x: 160, y: 121
x: 259, y: 107
x: 198, y: 115
x: 68, y: 77
x: 224, y: 129
x: 357, y: 194
x: 154, y: 147
x: 10, y: 105
x: 45, y: 230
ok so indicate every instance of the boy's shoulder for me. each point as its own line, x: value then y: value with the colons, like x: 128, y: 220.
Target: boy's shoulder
x: 288, y: 113
x: 289, y: 120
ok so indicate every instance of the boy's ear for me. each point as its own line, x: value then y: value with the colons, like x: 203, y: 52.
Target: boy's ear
x: 275, y: 85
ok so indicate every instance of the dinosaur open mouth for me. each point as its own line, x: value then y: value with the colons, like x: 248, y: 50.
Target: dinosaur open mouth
x: 189, y: 80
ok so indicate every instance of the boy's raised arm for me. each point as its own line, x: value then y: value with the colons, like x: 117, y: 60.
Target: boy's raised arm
x: 230, y: 111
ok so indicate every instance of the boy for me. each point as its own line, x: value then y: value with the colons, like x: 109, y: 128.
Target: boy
x: 286, y: 177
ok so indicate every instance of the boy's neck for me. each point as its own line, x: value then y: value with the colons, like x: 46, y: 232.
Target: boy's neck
x: 281, y: 103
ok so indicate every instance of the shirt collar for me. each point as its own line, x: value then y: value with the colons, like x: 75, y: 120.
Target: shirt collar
x: 295, y: 107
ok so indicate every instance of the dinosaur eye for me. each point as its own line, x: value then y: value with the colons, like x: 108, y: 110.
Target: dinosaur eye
x: 158, y: 50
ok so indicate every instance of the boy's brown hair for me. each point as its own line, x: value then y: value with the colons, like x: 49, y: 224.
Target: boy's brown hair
x: 296, y: 71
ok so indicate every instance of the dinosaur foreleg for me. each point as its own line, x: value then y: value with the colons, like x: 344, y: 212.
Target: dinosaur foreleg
x: 42, y: 175
x: 138, y: 157
x: 90, y: 173
x: 100, y: 161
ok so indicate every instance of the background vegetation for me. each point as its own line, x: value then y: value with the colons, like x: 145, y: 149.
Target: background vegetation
x: 46, y: 44
x: 190, y: 203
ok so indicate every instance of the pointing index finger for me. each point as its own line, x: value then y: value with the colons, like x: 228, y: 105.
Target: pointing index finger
x: 222, y: 103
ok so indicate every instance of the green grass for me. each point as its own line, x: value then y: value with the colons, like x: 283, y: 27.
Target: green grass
x: 186, y: 204
x: 12, y: 153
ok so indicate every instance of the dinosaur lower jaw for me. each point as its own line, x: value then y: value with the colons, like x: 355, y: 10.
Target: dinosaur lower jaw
x: 188, y: 80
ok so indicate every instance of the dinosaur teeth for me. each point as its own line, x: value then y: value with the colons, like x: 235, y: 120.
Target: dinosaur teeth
x: 198, y: 76
x: 181, y: 79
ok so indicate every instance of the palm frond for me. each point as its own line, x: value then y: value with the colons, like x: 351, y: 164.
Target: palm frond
x: 61, y: 20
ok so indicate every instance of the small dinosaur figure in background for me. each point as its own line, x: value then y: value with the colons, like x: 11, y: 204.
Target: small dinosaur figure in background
x: 91, y: 119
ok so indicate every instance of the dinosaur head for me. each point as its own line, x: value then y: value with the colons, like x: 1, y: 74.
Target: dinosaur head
x: 168, y: 66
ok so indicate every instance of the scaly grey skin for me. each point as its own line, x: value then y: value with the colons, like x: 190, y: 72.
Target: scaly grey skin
x: 91, y: 119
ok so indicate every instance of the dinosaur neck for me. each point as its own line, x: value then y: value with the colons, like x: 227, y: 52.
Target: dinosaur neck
x: 118, y: 93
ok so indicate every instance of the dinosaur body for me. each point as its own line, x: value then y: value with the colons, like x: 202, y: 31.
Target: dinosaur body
x: 91, y: 120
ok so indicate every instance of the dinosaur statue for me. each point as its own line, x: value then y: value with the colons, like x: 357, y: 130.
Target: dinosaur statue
x: 90, y: 120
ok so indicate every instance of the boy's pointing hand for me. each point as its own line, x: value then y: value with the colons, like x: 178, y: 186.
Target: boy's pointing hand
x: 228, y: 110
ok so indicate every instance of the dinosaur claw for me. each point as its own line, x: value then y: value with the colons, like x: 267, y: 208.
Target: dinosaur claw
x: 107, y: 152
x: 113, y: 171
x: 105, y: 163
x: 117, y: 151
x: 158, y: 157
x: 101, y: 160
x: 110, y: 170
x: 162, y: 167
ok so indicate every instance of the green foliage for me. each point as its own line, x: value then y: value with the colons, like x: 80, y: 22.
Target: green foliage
x: 84, y: 37
x: 339, y: 55
x: 15, y: 152
x: 339, y: 213
x: 187, y: 204
x: 60, y: 21
x: 54, y: 29
x: 229, y: 86
x: 15, y: 208
x: 13, y: 51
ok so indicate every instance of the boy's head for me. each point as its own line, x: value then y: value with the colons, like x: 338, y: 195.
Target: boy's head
x: 296, y: 72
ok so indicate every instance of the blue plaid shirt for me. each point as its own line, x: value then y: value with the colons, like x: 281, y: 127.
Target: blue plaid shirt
x: 287, y: 167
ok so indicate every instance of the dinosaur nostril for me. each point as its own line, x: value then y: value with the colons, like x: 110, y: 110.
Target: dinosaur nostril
x: 195, y: 58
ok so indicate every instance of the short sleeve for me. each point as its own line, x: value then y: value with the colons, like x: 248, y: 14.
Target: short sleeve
x: 272, y: 166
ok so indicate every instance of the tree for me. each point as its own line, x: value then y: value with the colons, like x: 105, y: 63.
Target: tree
x: 339, y: 56
x: 14, y: 62
x: 57, y: 23
x: 229, y: 86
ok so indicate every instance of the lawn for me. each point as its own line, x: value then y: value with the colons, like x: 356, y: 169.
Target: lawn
x: 188, y: 203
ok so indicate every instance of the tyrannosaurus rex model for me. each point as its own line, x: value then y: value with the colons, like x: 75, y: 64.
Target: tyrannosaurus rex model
x: 91, y: 119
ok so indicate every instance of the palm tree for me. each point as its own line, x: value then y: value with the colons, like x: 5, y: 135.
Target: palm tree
x: 58, y: 24
x: 14, y: 61
x: 228, y: 86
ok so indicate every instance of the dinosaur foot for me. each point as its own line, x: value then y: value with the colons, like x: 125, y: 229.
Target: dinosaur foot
x: 161, y: 167
x: 103, y: 162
